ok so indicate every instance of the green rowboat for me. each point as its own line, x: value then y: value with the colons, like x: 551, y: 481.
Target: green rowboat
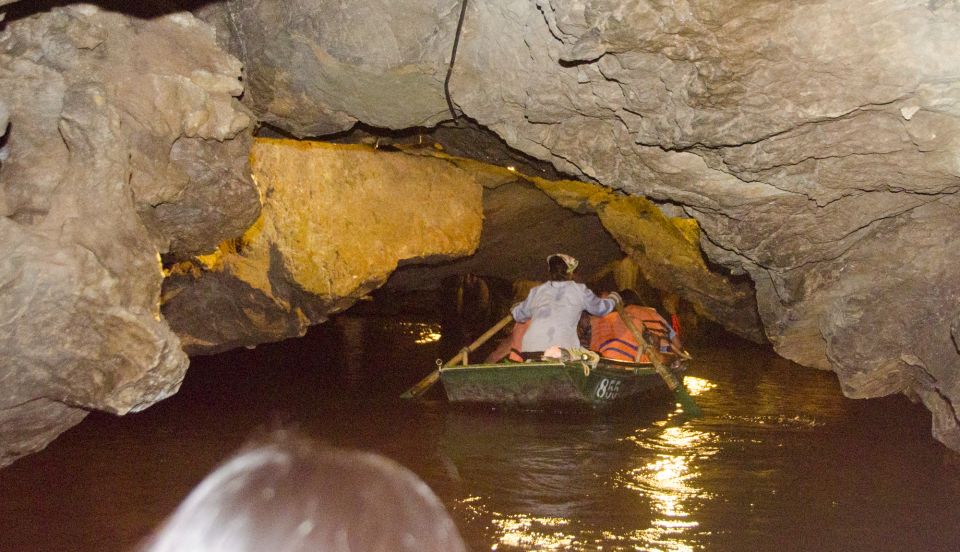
x: 554, y: 382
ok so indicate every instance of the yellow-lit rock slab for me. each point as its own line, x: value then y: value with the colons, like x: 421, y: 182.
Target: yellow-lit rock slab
x: 342, y: 216
x: 667, y: 251
x: 635, y: 222
x: 336, y: 221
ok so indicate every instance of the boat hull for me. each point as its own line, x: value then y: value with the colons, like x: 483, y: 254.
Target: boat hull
x: 536, y: 384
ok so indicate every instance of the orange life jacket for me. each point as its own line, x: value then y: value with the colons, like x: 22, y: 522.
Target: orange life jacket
x: 610, y: 337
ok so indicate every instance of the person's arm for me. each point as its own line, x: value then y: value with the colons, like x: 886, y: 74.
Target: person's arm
x: 522, y: 311
x: 598, y: 306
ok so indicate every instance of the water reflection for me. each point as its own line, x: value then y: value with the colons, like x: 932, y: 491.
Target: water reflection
x: 423, y: 333
x: 672, y: 458
x: 532, y: 533
x: 669, y: 481
x: 698, y: 386
x: 583, y: 481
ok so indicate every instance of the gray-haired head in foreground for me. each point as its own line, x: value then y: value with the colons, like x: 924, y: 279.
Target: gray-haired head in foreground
x: 291, y: 495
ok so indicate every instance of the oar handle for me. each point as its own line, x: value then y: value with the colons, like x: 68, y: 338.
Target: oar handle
x: 427, y: 382
x: 480, y: 340
x: 668, y: 377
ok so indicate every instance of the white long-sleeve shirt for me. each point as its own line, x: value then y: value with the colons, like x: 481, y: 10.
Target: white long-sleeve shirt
x: 554, y: 310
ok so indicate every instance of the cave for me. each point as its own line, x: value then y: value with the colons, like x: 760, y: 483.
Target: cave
x: 183, y: 182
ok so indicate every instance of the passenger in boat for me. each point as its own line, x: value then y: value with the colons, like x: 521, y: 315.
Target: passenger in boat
x: 511, y: 345
x: 295, y: 495
x: 613, y: 339
x: 554, y: 307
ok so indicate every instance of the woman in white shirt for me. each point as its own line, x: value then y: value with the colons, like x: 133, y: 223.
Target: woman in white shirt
x: 554, y: 307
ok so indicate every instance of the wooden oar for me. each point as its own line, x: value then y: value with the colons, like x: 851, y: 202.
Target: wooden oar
x: 683, y: 397
x: 427, y: 382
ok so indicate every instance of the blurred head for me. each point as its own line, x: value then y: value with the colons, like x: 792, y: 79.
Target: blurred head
x: 561, y: 266
x: 292, y: 495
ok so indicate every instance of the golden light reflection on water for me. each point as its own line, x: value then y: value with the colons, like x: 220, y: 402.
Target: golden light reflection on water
x: 672, y: 454
x: 669, y: 479
x: 698, y: 386
x: 422, y: 332
x: 533, y: 533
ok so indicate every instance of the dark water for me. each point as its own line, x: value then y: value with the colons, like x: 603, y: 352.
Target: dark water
x: 780, y: 461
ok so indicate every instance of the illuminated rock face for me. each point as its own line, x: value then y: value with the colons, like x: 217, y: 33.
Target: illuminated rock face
x: 336, y: 222
x: 114, y: 129
x: 667, y: 253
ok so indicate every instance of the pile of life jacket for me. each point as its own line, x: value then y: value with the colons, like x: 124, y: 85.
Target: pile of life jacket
x: 609, y: 336
x: 612, y: 339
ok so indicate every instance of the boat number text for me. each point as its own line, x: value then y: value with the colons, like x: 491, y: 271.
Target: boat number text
x: 608, y: 389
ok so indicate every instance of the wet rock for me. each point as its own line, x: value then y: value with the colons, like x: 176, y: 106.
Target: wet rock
x: 336, y: 222
x: 110, y: 119
x: 337, y: 62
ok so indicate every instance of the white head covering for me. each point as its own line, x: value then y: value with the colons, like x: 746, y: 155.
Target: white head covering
x: 571, y: 263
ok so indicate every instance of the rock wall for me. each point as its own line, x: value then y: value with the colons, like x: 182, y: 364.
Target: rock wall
x: 336, y: 222
x: 805, y: 138
x: 118, y: 138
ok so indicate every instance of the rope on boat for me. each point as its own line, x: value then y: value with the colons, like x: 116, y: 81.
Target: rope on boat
x: 587, y: 358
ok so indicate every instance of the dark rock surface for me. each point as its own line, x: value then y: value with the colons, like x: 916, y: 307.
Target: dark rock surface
x: 111, y: 123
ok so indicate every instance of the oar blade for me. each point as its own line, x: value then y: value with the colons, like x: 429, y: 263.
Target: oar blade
x: 689, y: 406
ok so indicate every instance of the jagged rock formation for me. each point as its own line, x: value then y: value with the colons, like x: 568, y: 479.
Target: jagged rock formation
x: 667, y: 253
x: 118, y: 138
x: 815, y: 143
x: 804, y: 138
x: 336, y: 222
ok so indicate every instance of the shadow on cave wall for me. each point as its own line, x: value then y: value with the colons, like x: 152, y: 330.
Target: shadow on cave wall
x: 465, y: 138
